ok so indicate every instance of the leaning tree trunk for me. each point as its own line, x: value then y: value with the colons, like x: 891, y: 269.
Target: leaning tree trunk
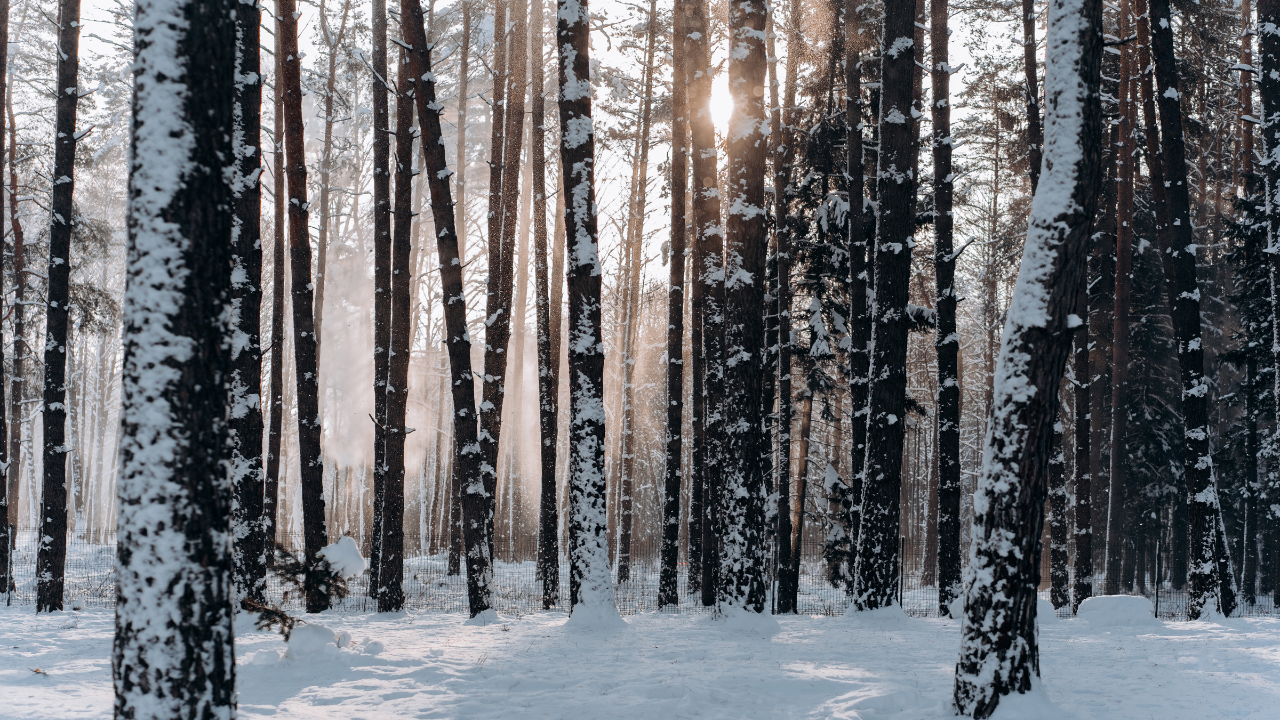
x: 590, y: 587
x: 391, y: 567
x: 998, y: 652
x: 174, y: 653
x: 275, y: 430
x: 245, y: 410
x: 466, y: 460
x: 742, y: 503
x: 668, y: 578
x: 381, y: 280
x: 1202, y: 497
x: 876, y: 572
x: 948, y: 339
x: 310, y: 459
x: 548, y: 339
x: 52, y: 555
x: 709, y: 273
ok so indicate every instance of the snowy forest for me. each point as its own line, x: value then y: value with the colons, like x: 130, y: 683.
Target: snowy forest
x: 964, y: 311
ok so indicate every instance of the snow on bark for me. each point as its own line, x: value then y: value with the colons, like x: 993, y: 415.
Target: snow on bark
x: 590, y: 586
x: 1269, y: 92
x: 998, y: 653
x: 174, y: 653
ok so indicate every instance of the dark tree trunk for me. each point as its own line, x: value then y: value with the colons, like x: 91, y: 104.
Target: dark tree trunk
x: 1202, y: 499
x: 1031, y: 90
x: 709, y: 273
x: 1249, y: 576
x: 52, y: 555
x: 175, y: 527
x: 17, y: 390
x: 6, y: 525
x: 1083, y: 531
x: 742, y: 568
x: 1101, y: 325
x: 381, y: 281
x: 1269, y: 93
x: 391, y: 570
x: 310, y: 459
x: 998, y: 653
x: 466, y: 458
x: 667, y: 581
x: 948, y: 339
x: 1059, y: 592
x: 876, y: 574
x: 246, y: 301
x: 460, y: 225
x: 275, y: 431
x: 589, y: 583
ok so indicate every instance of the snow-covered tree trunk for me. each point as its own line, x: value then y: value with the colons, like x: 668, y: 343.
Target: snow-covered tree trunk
x: 246, y: 306
x: 275, y: 431
x: 591, y: 588
x: 306, y: 372
x: 1083, y: 531
x: 52, y: 554
x: 708, y: 270
x: 1269, y: 95
x: 668, y: 578
x: 876, y: 572
x: 6, y: 418
x: 998, y: 653
x: 21, y: 350
x: 459, y: 223
x: 1202, y: 497
x: 1059, y: 593
x: 948, y: 338
x: 467, y: 458
x: 381, y: 84
x: 742, y: 492
x: 174, y: 652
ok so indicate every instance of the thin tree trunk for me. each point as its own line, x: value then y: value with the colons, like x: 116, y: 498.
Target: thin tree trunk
x: 998, y: 652
x: 270, y: 502
x: 590, y: 587
x: 1059, y: 592
x: 467, y: 476
x: 708, y: 267
x: 310, y: 459
x: 333, y: 43
x: 1269, y: 95
x: 1083, y: 531
x: 246, y: 301
x: 948, y: 339
x: 381, y: 280
x: 7, y: 417
x: 1202, y: 499
x: 175, y: 494
x: 876, y: 573
x: 1035, y: 133
x: 460, y: 183
x: 668, y: 593
x: 52, y: 555
x: 17, y: 389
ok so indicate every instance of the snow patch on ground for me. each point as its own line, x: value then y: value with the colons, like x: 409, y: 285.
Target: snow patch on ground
x: 1108, y: 611
x: 875, y: 666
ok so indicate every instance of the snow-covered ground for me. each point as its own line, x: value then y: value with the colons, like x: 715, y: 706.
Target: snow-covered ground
x: 432, y: 665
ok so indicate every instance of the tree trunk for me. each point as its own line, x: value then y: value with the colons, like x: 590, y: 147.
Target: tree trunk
x: 1059, y: 592
x: 17, y: 390
x: 175, y: 521
x: 1035, y: 133
x: 381, y: 280
x: 270, y: 502
x: 246, y: 302
x: 52, y: 555
x: 310, y: 460
x: 668, y: 578
x: 1083, y: 531
x: 876, y: 573
x: 460, y: 225
x: 7, y: 497
x: 589, y: 583
x: 948, y: 339
x: 333, y: 43
x: 1202, y: 498
x: 998, y: 653
x: 708, y: 266
x: 466, y: 460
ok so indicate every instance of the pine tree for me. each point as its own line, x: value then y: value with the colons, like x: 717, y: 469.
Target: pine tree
x: 174, y: 652
x: 381, y: 280
x: 51, y: 556
x: 998, y: 654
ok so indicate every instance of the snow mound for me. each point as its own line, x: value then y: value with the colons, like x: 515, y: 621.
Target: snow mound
x: 488, y: 617
x: 307, y: 640
x: 892, y: 617
x: 746, y: 622
x: 261, y: 657
x: 344, y: 556
x: 595, y: 617
x: 1117, y: 611
x: 1045, y: 612
x: 1033, y: 705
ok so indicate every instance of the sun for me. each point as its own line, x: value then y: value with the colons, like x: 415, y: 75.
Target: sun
x: 721, y: 103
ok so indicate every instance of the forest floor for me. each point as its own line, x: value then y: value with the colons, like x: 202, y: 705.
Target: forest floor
x: 432, y: 665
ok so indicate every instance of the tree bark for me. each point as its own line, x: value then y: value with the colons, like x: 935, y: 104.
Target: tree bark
x: 52, y: 554
x: 876, y: 573
x: 7, y: 417
x: 310, y: 459
x: 174, y: 652
x: 17, y: 389
x: 998, y: 653
x: 1031, y: 90
x: 460, y: 225
x: 270, y: 501
x: 668, y: 578
x: 1202, y: 498
x: 1083, y: 530
x: 246, y: 302
x: 381, y: 280
x: 1059, y: 592
x: 466, y: 459
x: 590, y: 587
x: 948, y: 339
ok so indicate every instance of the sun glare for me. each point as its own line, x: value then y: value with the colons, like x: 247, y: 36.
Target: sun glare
x: 721, y: 103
